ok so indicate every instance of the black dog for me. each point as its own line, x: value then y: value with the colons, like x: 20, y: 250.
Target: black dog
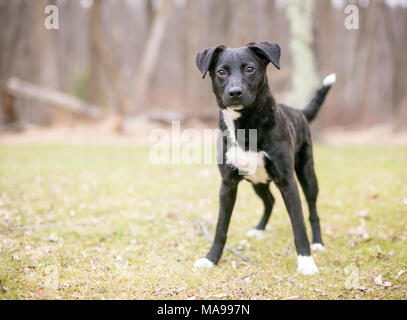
x: 283, y: 147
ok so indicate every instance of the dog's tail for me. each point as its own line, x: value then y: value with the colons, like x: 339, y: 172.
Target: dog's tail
x: 312, y: 108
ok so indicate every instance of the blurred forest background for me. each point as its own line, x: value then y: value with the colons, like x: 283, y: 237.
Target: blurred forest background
x: 136, y: 58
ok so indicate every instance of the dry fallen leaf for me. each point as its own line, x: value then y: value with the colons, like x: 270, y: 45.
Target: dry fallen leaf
x: 16, y: 257
x: 378, y: 280
x: 289, y: 249
x: 2, y: 288
x: 382, y: 256
x: 363, y: 213
x: 359, y: 231
x: 53, y: 237
x: 330, y: 230
x: 399, y: 274
x: 177, y: 290
x: 247, y: 280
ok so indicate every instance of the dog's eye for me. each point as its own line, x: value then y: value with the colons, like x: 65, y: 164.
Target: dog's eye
x: 249, y: 69
x: 221, y: 73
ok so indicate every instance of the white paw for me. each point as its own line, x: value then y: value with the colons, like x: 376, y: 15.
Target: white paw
x: 255, y: 233
x: 306, y: 265
x: 204, y: 263
x: 317, y: 247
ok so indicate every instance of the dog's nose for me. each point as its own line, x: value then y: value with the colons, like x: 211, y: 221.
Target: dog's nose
x: 235, y: 92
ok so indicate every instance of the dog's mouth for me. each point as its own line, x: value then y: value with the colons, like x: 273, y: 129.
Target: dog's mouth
x: 237, y: 104
x: 236, y: 108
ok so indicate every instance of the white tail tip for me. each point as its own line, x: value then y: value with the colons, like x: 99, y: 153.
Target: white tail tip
x: 329, y: 80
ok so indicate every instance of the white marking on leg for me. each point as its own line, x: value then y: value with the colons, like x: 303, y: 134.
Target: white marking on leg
x: 255, y: 233
x: 306, y: 265
x: 317, y: 247
x: 204, y: 263
x: 329, y: 80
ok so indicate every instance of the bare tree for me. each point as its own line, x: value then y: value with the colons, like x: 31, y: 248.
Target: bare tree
x: 396, y: 31
x: 11, y: 13
x: 150, y: 54
x: 102, y: 53
x: 304, y: 79
x: 94, y: 61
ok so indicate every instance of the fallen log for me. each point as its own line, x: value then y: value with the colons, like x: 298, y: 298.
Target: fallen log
x: 16, y: 88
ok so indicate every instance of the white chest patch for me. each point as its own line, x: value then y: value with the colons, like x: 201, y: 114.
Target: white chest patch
x: 249, y: 163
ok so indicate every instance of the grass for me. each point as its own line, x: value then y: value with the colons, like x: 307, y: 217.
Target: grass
x: 103, y: 223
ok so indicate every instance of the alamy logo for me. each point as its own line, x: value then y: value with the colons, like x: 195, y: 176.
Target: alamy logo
x: 190, y: 146
x: 352, y: 18
x: 352, y: 277
x: 51, y: 22
x: 51, y: 277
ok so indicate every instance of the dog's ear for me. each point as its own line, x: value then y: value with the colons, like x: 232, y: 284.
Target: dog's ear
x: 267, y: 51
x: 205, y: 58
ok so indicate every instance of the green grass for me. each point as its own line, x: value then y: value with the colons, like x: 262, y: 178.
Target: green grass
x: 108, y: 224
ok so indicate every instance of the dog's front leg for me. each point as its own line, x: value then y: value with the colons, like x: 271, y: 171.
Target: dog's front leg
x: 227, y: 198
x: 289, y: 190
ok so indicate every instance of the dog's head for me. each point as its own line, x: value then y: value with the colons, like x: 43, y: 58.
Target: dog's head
x: 238, y: 74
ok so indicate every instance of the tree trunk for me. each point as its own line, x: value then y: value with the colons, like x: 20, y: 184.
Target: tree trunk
x: 304, y: 79
x: 396, y: 35
x: 304, y: 75
x: 94, y: 77
x: 150, y: 54
x: 44, y: 55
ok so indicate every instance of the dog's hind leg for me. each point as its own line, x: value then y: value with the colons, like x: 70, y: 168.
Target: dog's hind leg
x: 304, y: 168
x: 263, y: 191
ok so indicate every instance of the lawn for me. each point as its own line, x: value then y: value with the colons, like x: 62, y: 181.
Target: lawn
x: 102, y: 222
